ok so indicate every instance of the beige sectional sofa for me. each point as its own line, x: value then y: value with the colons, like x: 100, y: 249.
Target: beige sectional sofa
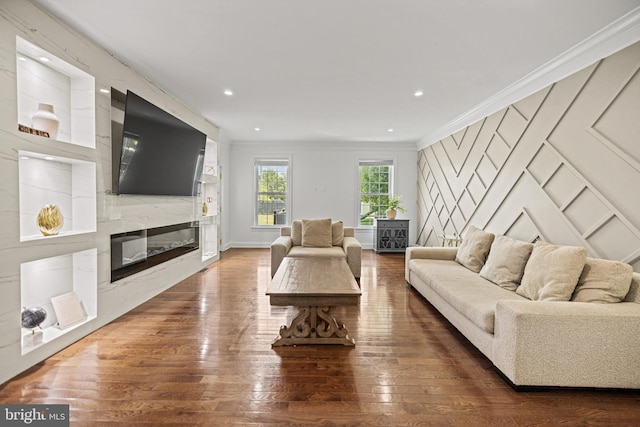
x: 518, y: 304
x: 317, y: 238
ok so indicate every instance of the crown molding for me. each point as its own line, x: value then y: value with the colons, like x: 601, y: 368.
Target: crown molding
x: 614, y: 37
x: 408, y: 146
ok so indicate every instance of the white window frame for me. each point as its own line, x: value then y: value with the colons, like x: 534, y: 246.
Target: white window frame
x: 265, y: 161
x: 374, y: 162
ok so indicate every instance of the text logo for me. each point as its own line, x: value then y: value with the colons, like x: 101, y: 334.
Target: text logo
x: 34, y: 415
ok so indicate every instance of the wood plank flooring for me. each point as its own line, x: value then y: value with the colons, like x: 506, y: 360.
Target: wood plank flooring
x: 200, y: 355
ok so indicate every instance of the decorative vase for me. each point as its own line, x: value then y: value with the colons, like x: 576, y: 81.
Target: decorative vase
x: 45, y: 120
x: 391, y: 214
x: 50, y: 220
x: 205, y: 209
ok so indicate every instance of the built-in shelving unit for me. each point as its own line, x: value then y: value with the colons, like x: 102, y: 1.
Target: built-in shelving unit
x: 47, y: 178
x: 62, y: 181
x: 209, y: 196
x: 45, y: 78
x: 46, y: 278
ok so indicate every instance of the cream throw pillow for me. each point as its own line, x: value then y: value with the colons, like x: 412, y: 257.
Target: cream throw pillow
x: 506, y: 261
x: 474, y: 248
x: 603, y: 281
x: 337, y: 233
x: 552, y: 272
x: 296, y: 233
x: 316, y: 233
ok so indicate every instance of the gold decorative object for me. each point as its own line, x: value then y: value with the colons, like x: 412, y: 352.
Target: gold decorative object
x: 205, y: 209
x: 50, y: 220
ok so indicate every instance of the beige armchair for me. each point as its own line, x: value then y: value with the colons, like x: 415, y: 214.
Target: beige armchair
x: 317, y: 238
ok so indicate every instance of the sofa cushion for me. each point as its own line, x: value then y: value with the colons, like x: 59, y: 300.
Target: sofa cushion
x: 552, y: 272
x: 471, y: 295
x: 603, y: 281
x: 316, y: 233
x: 296, y: 233
x: 506, y: 261
x: 304, y: 252
x: 474, y: 248
x: 337, y: 233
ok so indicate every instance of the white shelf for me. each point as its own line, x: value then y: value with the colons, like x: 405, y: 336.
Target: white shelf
x: 209, y: 194
x: 208, y: 220
x: 209, y: 179
x: 67, y: 183
x: 49, y: 277
x: 44, y: 78
x: 209, y: 240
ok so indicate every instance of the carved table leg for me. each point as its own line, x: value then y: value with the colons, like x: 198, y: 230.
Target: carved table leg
x: 314, y: 325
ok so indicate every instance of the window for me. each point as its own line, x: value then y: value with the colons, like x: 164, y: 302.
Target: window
x: 376, y: 184
x: 272, y: 191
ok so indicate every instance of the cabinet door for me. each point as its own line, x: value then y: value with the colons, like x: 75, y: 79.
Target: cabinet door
x: 400, y: 238
x: 386, y: 238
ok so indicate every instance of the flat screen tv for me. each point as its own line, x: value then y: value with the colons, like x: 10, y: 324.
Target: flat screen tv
x: 160, y: 154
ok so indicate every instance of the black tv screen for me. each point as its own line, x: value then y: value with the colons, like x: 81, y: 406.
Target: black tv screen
x: 160, y: 155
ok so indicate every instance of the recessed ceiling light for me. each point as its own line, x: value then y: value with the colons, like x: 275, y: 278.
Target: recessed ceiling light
x: 390, y: 130
x: 49, y: 158
x: 418, y: 93
x: 24, y: 157
x: 44, y: 59
x: 21, y: 58
x: 103, y: 90
x: 256, y: 129
x: 228, y: 92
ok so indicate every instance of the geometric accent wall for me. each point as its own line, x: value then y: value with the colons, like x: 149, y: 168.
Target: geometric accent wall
x: 562, y: 165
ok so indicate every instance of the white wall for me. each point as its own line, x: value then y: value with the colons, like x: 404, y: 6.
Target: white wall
x: 561, y: 165
x: 324, y: 181
x: 223, y: 172
x: 115, y: 214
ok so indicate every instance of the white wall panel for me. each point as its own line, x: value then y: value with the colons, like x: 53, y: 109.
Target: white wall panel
x: 561, y: 165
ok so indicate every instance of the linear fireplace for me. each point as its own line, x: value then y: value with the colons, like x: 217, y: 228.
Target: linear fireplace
x: 135, y: 251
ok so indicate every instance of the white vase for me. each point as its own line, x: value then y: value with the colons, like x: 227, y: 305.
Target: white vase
x: 45, y: 120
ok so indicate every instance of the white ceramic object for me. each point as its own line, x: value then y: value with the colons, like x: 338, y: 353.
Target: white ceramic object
x: 45, y: 120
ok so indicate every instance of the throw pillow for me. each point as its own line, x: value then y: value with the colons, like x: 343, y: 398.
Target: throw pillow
x: 296, y: 233
x: 506, y: 261
x: 337, y: 233
x: 316, y: 233
x: 603, y: 281
x: 552, y: 272
x: 474, y: 248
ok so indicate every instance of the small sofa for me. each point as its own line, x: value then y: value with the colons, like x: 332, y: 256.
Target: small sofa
x: 561, y: 334
x: 317, y: 238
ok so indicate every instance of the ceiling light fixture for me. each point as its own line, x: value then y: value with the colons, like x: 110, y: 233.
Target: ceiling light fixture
x: 228, y: 92
x: 256, y: 129
x: 21, y: 58
x: 418, y: 93
x: 49, y: 158
x: 390, y: 130
x: 44, y: 59
x: 103, y: 90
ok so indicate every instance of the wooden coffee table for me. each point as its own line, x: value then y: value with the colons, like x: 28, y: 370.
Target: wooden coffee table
x: 314, y: 285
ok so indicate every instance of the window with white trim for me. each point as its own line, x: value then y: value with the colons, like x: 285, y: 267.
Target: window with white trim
x: 375, y: 187
x: 271, y: 177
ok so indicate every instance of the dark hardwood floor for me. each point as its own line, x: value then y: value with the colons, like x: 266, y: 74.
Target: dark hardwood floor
x: 199, y: 354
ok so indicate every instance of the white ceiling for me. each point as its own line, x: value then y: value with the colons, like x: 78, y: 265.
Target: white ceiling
x: 335, y: 70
